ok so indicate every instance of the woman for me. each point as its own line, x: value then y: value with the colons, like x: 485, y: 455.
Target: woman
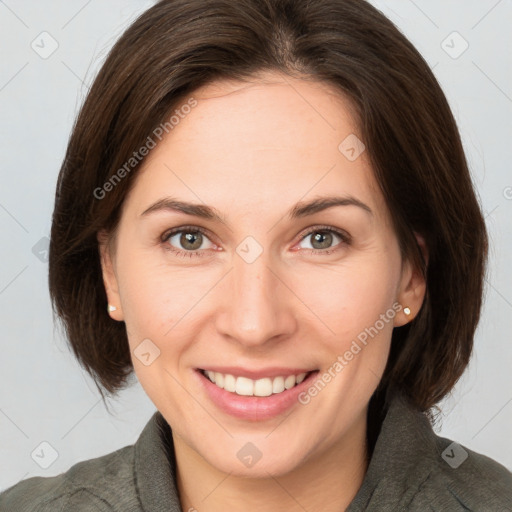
x: 265, y: 211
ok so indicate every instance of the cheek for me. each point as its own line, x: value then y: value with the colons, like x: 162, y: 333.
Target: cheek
x: 160, y: 300
x: 158, y: 305
x: 148, y: 297
x: 347, y: 298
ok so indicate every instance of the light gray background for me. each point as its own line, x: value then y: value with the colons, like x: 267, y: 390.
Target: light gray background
x: 44, y: 395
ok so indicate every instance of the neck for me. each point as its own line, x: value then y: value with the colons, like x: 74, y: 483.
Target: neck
x: 327, y: 481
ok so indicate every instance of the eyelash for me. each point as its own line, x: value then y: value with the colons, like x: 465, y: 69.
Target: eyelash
x: 345, y: 240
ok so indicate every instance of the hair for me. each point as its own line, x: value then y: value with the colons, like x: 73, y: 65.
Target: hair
x: 409, y: 131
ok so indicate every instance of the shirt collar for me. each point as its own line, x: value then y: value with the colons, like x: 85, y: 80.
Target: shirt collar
x: 401, y: 459
x: 397, y: 466
x: 155, y: 467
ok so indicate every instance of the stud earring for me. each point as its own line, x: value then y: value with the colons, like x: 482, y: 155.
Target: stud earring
x: 111, y: 308
x: 407, y: 311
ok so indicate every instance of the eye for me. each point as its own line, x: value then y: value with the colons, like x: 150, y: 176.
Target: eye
x: 324, y: 237
x: 190, y: 238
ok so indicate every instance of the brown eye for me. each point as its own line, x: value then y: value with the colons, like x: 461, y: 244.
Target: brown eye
x: 186, y: 241
x: 323, y: 239
x: 190, y: 240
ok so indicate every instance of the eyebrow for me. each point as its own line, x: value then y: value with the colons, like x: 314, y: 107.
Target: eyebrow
x: 301, y: 209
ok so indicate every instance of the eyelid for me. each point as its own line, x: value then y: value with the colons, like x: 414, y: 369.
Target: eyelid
x: 340, y: 232
x: 170, y: 232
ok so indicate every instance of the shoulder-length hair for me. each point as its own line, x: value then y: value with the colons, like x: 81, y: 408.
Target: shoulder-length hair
x: 407, y: 126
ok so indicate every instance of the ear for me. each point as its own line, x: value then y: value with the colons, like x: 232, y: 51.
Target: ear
x: 412, y: 288
x: 109, y: 276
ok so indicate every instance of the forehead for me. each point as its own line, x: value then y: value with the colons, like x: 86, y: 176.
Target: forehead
x: 272, y: 140
x: 272, y: 110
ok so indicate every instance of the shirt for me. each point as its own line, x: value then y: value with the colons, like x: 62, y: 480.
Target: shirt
x: 411, y: 469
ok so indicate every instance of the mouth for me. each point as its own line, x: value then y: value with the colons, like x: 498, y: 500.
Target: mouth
x: 267, y: 395
x: 245, y: 386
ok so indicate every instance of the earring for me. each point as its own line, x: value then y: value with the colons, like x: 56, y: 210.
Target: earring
x: 407, y: 311
x: 111, y: 308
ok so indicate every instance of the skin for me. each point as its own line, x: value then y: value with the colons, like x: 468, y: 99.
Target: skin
x: 252, y: 151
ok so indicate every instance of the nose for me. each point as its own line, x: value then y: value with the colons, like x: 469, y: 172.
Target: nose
x: 256, y: 306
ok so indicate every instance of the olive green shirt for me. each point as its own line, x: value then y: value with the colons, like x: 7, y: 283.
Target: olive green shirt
x: 411, y: 469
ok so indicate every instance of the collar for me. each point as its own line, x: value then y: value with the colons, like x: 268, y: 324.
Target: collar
x: 401, y: 459
x: 155, y: 467
x: 397, y: 467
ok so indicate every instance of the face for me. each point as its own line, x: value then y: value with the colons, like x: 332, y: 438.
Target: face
x: 265, y: 289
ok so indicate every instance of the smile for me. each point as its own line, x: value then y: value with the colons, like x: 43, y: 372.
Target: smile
x: 245, y: 386
x: 254, y: 394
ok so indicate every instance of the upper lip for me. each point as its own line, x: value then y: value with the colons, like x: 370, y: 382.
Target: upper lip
x: 253, y: 374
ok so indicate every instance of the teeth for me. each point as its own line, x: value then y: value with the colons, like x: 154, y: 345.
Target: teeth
x: 229, y: 383
x: 219, y: 377
x: 244, y: 386
x: 263, y: 387
x: 289, y: 382
x: 278, y: 385
x: 300, y: 377
x: 249, y: 387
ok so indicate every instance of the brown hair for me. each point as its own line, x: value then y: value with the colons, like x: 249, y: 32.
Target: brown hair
x: 405, y: 121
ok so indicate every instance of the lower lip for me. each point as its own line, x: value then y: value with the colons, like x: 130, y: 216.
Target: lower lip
x: 254, y: 408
